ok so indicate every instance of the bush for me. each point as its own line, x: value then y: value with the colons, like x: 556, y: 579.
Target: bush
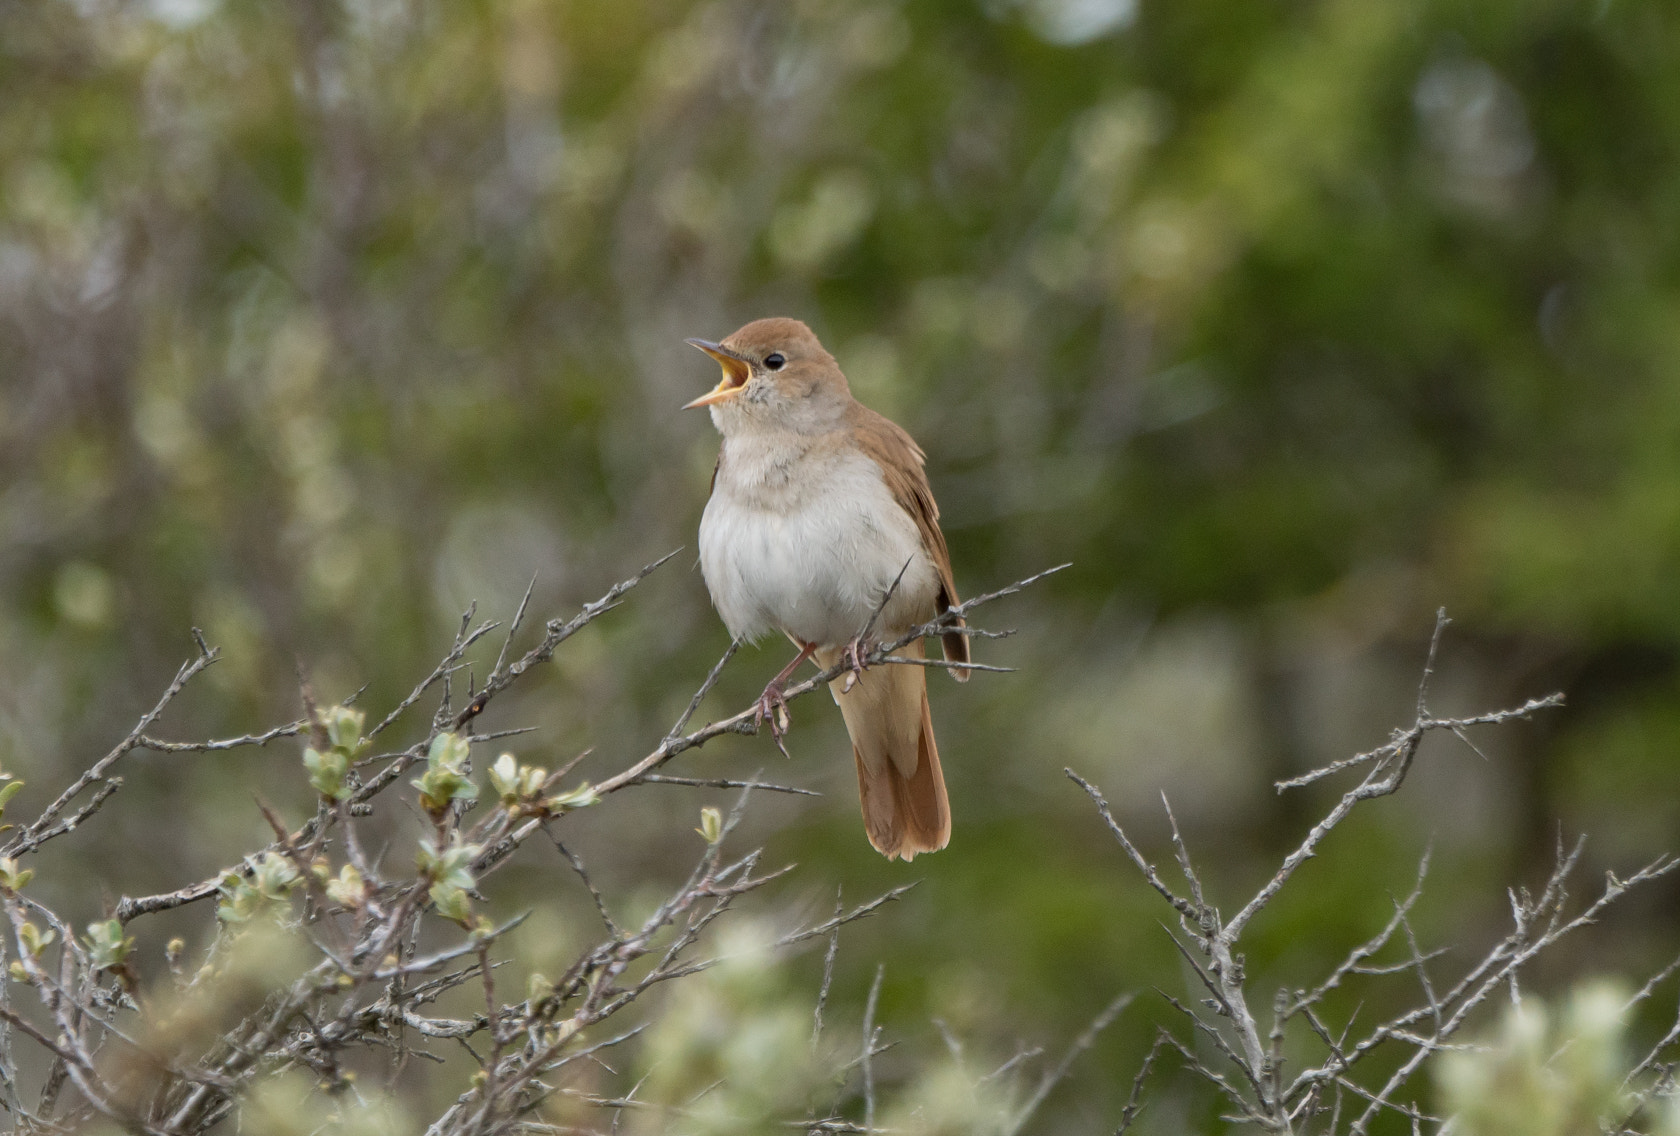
x: 332, y: 972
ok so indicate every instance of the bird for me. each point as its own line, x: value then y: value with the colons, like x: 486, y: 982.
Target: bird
x: 821, y: 525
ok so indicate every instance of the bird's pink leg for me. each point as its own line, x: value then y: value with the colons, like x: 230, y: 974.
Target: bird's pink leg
x: 772, y: 705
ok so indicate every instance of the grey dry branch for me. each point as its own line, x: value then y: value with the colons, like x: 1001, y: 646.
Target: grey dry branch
x: 746, y: 721
x: 1054, y: 1076
x: 871, y: 1035
x: 557, y: 632
x: 1211, y: 944
x: 42, y: 829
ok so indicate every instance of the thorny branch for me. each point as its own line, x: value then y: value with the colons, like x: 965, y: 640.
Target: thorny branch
x: 1211, y: 944
x: 369, y: 986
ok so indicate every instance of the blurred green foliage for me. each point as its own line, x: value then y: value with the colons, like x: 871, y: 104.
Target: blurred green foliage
x: 1286, y: 323
x: 1537, y: 1076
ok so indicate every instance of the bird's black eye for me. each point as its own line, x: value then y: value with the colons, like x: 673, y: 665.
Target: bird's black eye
x: 775, y: 361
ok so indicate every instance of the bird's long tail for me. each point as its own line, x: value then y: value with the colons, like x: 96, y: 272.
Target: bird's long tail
x: 905, y: 810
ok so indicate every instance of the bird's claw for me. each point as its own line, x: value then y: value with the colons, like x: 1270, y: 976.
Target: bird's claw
x: 772, y: 706
x: 853, y: 658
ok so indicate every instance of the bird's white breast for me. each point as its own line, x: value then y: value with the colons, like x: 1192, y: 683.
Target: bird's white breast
x: 808, y: 541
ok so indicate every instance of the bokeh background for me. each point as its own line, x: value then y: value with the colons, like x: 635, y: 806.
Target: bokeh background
x: 1286, y: 323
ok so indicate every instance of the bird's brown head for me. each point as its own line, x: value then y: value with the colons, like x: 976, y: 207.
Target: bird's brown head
x: 775, y: 375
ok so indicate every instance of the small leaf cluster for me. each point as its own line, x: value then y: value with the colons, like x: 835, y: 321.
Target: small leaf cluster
x: 9, y: 789
x: 31, y: 942
x: 445, y: 780
x: 13, y: 878
x: 449, y: 870
x: 329, y: 769
x: 108, y: 948
x: 517, y: 786
x: 347, y: 889
x: 269, y: 883
x: 520, y: 790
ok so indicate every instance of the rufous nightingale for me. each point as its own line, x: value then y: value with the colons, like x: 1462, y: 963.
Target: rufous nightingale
x: 820, y: 515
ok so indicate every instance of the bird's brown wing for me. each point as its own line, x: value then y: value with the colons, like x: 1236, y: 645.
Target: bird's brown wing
x: 900, y: 458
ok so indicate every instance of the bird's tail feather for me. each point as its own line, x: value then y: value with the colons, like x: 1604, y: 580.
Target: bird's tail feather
x: 900, y: 784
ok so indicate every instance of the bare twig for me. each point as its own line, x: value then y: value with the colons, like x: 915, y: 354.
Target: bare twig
x: 870, y: 1033
x: 828, y: 970
x: 1134, y: 1100
x: 37, y: 831
x: 1055, y: 1076
x: 726, y: 783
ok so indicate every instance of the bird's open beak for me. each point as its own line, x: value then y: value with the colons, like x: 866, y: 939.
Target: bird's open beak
x: 736, y: 371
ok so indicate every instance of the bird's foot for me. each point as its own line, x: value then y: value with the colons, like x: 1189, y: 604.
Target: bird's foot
x: 772, y: 704
x: 853, y: 657
x: 774, y: 708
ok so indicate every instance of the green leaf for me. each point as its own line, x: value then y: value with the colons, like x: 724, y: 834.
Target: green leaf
x: 348, y: 889
x: 344, y: 728
x: 711, y: 825
x: 34, y: 939
x: 504, y: 777
x: 275, y: 876
x: 447, y: 751
x: 445, y: 779
x: 531, y: 780
x: 12, y: 877
x: 327, y: 771
x: 580, y: 798
x: 450, y: 866
x: 438, y: 787
x: 452, y: 902
x: 107, y: 946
